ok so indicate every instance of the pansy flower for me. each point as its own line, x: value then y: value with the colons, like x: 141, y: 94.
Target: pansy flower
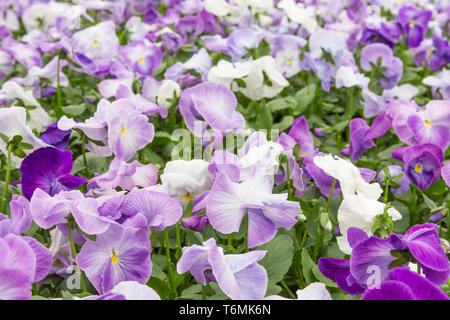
x: 48, y: 169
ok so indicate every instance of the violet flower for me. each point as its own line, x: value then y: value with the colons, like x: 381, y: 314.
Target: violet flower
x: 378, y: 52
x: 422, y: 163
x: 213, y: 102
x: 414, y: 23
x: 362, y: 136
x: 124, y: 175
x: 432, y: 125
x: 95, y: 47
x: 229, y: 202
x: 48, y: 169
x: 56, y: 137
x: 403, y: 284
x: 159, y: 209
x: 142, y: 57
x: 238, y: 275
x: 119, y: 254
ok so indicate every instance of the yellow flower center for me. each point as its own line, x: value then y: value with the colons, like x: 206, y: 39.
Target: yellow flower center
x: 288, y: 60
x: 95, y: 43
x: 123, y: 130
x: 114, y: 258
x: 187, y: 198
x: 418, y: 168
x: 427, y: 123
x: 411, y: 24
x: 141, y: 60
x: 343, y: 31
x: 430, y: 52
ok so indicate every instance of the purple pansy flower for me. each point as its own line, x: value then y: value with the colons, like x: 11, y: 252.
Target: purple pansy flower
x: 361, y: 135
x: 214, y: 103
x: 403, y: 284
x: 56, y: 137
x: 95, y: 47
x: 238, y: 275
x: 128, y: 129
x: 414, y: 23
x: 426, y: 54
x: 422, y: 163
x: 423, y: 243
x: 142, y: 57
x: 372, y: 253
x: 125, y: 175
x: 432, y: 125
x: 159, y: 209
x: 228, y: 203
x: 374, y: 52
x: 119, y: 254
x: 48, y: 169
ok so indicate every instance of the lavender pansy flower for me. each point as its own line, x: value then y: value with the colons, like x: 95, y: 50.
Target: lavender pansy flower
x: 421, y: 163
x: 213, y: 102
x: 142, y: 57
x: 228, y: 203
x: 432, y: 125
x: 125, y: 175
x: 414, y: 23
x: 238, y: 275
x: 440, y: 84
x: 119, y: 254
x: 159, y: 209
x: 48, y: 169
x: 25, y: 54
x: 17, y: 268
x: 128, y: 129
x: 393, y: 66
x: 95, y: 47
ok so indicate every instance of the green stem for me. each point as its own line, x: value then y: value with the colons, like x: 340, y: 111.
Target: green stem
x: 178, y: 240
x: 286, y: 288
x: 288, y: 180
x: 83, y: 150
x: 230, y: 240
x: 58, y: 109
x: 350, y: 110
x: 74, y: 253
x: 8, y: 174
x: 203, y: 292
x: 169, y: 262
x: 386, y: 191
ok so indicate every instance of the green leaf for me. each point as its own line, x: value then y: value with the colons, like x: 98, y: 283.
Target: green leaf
x: 304, y: 97
x: 284, y: 124
x: 161, y: 287
x: 66, y: 295
x: 281, y: 104
x: 278, y: 259
x: 75, y: 109
x: 94, y: 163
x: 265, y: 118
x: 320, y: 277
x: 307, y: 266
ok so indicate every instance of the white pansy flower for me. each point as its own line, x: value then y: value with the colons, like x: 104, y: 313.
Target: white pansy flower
x: 349, y: 177
x: 186, y: 180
